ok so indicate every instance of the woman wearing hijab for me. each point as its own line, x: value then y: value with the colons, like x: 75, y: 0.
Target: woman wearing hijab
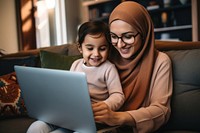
x: 146, y: 74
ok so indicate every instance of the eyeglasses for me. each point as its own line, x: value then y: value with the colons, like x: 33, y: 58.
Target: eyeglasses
x: 128, y: 38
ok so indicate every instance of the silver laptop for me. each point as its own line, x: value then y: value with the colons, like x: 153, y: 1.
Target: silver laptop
x: 58, y: 97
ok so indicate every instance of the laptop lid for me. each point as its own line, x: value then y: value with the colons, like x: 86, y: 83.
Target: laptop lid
x: 58, y: 97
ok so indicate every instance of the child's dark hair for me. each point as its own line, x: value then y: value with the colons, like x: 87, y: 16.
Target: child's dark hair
x: 93, y: 28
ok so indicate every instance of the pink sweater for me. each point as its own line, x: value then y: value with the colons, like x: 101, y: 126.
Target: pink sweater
x: 103, y: 82
x: 156, y: 107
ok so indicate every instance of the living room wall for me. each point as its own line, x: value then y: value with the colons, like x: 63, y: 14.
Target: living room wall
x: 9, y: 41
x: 8, y: 26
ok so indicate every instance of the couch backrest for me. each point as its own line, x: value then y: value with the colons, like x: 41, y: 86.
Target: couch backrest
x: 185, y: 103
x: 65, y: 49
x: 32, y: 57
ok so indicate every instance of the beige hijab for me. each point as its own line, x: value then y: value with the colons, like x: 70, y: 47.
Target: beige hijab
x: 135, y: 73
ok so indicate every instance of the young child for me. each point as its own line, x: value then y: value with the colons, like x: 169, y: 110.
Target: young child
x: 102, y: 76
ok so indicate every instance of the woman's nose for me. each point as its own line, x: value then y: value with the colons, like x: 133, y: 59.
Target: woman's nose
x: 120, y: 43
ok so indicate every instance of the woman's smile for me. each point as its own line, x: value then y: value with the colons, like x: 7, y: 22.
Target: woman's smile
x: 125, y: 50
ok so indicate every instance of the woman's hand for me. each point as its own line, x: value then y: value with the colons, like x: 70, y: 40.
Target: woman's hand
x: 103, y: 114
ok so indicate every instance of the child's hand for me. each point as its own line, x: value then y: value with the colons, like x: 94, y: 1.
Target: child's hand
x: 99, y: 109
x: 103, y: 114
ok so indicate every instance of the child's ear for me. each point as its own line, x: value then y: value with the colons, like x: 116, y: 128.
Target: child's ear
x: 80, y: 48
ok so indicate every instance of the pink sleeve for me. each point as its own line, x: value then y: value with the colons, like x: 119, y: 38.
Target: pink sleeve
x: 156, y: 109
x: 116, y: 95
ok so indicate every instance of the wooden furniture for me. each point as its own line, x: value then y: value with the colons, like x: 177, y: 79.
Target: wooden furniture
x: 98, y: 9
x: 173, y: 21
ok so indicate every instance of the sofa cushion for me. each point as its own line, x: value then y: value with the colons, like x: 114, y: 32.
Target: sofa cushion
x: 65, y: 49
x: 7, y: 64
x: 15, y: 125
x: 11, y: 101
x: 186, y: 93
x: 56, y: 61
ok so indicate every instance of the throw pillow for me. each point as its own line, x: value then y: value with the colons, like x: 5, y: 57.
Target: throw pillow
x: 11, y: 101
x: 57, y: 61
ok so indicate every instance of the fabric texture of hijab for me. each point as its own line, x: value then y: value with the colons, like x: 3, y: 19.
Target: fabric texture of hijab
x: 135, y: 73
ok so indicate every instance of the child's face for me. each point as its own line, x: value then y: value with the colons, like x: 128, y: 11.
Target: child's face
x: 94, y: 49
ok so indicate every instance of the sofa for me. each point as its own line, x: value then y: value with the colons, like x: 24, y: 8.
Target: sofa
x: 185, y: 103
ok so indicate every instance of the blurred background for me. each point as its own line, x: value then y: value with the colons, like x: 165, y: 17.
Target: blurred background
x: 31, y: 24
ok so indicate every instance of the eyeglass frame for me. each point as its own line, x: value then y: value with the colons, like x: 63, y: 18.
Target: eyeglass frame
x: 121, y: 37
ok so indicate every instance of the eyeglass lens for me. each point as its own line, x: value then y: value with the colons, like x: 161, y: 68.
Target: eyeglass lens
x: 127, y: 38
